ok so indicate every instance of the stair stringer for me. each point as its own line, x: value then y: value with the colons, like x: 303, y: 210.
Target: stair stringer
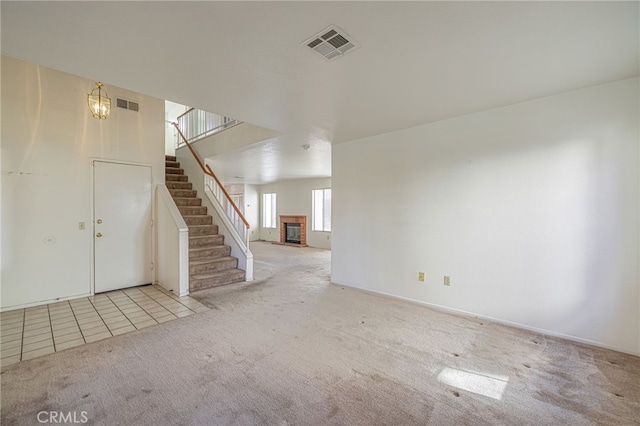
x: 172, y: 249
x: 196, y: 177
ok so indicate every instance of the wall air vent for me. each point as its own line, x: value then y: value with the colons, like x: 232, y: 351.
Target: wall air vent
x: 331, y: 43
x: 125, y: 104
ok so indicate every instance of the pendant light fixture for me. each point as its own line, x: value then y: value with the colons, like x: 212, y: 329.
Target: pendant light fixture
x: 99, y: 102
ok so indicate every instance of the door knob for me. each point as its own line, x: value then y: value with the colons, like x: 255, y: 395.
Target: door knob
x: 99, y: 234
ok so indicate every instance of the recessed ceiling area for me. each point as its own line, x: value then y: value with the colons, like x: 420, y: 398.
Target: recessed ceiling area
x: 274, y: 160
x: 418, y: 62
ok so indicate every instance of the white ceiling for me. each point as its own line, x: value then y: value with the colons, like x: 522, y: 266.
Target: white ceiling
x: 418, y: 62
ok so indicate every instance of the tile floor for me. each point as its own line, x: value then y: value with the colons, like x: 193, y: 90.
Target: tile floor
x: 40, y: 330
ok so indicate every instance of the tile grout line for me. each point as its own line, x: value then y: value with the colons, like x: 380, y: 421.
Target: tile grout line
x: 172, y: 295
x: 63, y: 321
x: 77, y: 323
x: 115, y: 303
x: 161, y: 304
x: 152, y: 289
x: 176, y: 300
x: 145, y: 311
x: 51, y: 325
x: 115, y: 306
x: 166, y: 292
x: 118, y: 307
x: 101, y: 319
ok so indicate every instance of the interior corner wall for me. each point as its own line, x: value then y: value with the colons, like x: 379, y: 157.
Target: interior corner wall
x: 531, y: 209
x: 48, y: 141
x: 293, y: 197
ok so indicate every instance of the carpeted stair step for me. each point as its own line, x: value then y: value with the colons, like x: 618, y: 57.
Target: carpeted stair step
x: 210, y: 261
x: 209, y: 266
x: 173, y: 171
x: 192, y: 210
x: 169, y: 158
x: 176, y: 178
x: 183, y: 193
x: 179, y: 185
x: 201, y: 282
x: 204, y: 241
x: 209, y: 252
x: 198, y: 220
x: 187, y: 201
x: 197, y: 230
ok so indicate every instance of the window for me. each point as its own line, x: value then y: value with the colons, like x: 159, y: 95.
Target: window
x: 269, y: 210
x: 321, y: 209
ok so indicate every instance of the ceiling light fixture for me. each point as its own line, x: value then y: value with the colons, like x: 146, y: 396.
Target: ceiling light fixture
x: 99, y: 102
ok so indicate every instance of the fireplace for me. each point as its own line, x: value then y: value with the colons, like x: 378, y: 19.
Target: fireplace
x: 293, y: 230
x: 292, y: 233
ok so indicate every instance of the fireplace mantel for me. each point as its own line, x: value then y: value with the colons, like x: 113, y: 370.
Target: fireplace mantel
x: 302, y: 220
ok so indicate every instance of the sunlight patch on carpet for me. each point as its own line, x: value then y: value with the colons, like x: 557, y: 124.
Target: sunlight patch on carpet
x: 480, y: 383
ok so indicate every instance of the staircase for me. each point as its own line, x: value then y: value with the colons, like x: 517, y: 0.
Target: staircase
x: 209, y: 262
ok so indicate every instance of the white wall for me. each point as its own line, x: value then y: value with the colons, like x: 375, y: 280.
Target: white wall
x: 294, y: 198
x: 172, y: 271
x: 252, y: 210
x: 48, y: 139
x: 532, y: 210
x: 172, y: 111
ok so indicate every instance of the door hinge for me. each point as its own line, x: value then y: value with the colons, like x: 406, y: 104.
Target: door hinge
x: 152, y: 223
x: 152, y: 266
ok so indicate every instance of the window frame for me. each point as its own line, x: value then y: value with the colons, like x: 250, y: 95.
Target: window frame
x: 323, y: 208
x: 272, y: 213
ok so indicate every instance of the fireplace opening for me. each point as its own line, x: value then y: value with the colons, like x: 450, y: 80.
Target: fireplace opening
x: 293, y: 230
x: 292, y: 233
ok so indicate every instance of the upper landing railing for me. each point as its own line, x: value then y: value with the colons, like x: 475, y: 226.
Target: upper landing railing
x: 196, y: 124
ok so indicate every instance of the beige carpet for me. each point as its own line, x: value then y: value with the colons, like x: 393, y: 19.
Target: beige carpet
x: 292, y: 349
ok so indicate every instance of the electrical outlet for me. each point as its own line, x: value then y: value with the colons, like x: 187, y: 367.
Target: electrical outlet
x: 447, y: 280
x: 420, y: 276
x: 81, y: 226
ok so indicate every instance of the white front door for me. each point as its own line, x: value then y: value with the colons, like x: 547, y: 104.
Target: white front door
x: 121, y: 225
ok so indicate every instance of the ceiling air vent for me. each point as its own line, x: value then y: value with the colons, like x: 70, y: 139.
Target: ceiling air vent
x: 331, y: 43
x: 130, y: 105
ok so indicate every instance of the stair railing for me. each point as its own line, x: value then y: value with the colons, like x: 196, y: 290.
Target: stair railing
x: 235, y: 216
x: 197, y: 124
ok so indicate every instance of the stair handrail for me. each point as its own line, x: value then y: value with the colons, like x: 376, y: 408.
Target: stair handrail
x: 207, y: 171
x: 185, y: 113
